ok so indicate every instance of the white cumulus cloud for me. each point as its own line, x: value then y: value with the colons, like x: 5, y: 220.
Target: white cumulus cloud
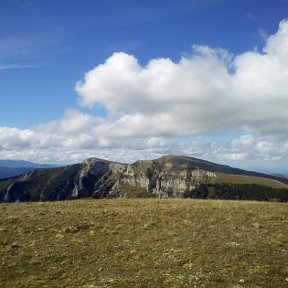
x: 172, y: 107
x: 199, y: 94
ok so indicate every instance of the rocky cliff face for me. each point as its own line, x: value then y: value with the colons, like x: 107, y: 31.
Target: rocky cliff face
x: 162, y: 178
x: 168, y: 176
x: 99, y: 178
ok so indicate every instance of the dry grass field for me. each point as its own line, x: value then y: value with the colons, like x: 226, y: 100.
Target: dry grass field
x: 243, y: 179
x: 144, y: 243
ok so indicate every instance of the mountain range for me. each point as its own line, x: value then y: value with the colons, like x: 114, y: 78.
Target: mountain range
x: 10, y: 168
x: 167, y: 176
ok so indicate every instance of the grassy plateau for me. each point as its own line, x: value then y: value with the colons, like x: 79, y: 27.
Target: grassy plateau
x: 144, y: 243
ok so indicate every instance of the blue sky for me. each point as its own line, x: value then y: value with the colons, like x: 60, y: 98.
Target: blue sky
x: 47, y: 47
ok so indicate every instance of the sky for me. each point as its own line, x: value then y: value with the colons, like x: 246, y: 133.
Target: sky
x: 128, y: 80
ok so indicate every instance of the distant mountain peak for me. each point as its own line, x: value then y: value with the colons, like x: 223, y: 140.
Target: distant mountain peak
x: 22, y: 164
x: 11, y: 168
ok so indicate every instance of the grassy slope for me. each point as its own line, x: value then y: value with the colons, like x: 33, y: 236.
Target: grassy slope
x: 244, y: 179
x: 144, y: 243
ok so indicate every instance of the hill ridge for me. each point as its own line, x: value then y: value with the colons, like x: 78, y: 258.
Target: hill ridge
x: 166, y: 176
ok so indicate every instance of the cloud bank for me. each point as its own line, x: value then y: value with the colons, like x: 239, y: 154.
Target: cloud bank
x: 172, y: 107
x: 209, y: 92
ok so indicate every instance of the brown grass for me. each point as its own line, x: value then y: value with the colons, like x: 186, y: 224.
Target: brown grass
x: 144, y: 243
x: 243, y: 179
